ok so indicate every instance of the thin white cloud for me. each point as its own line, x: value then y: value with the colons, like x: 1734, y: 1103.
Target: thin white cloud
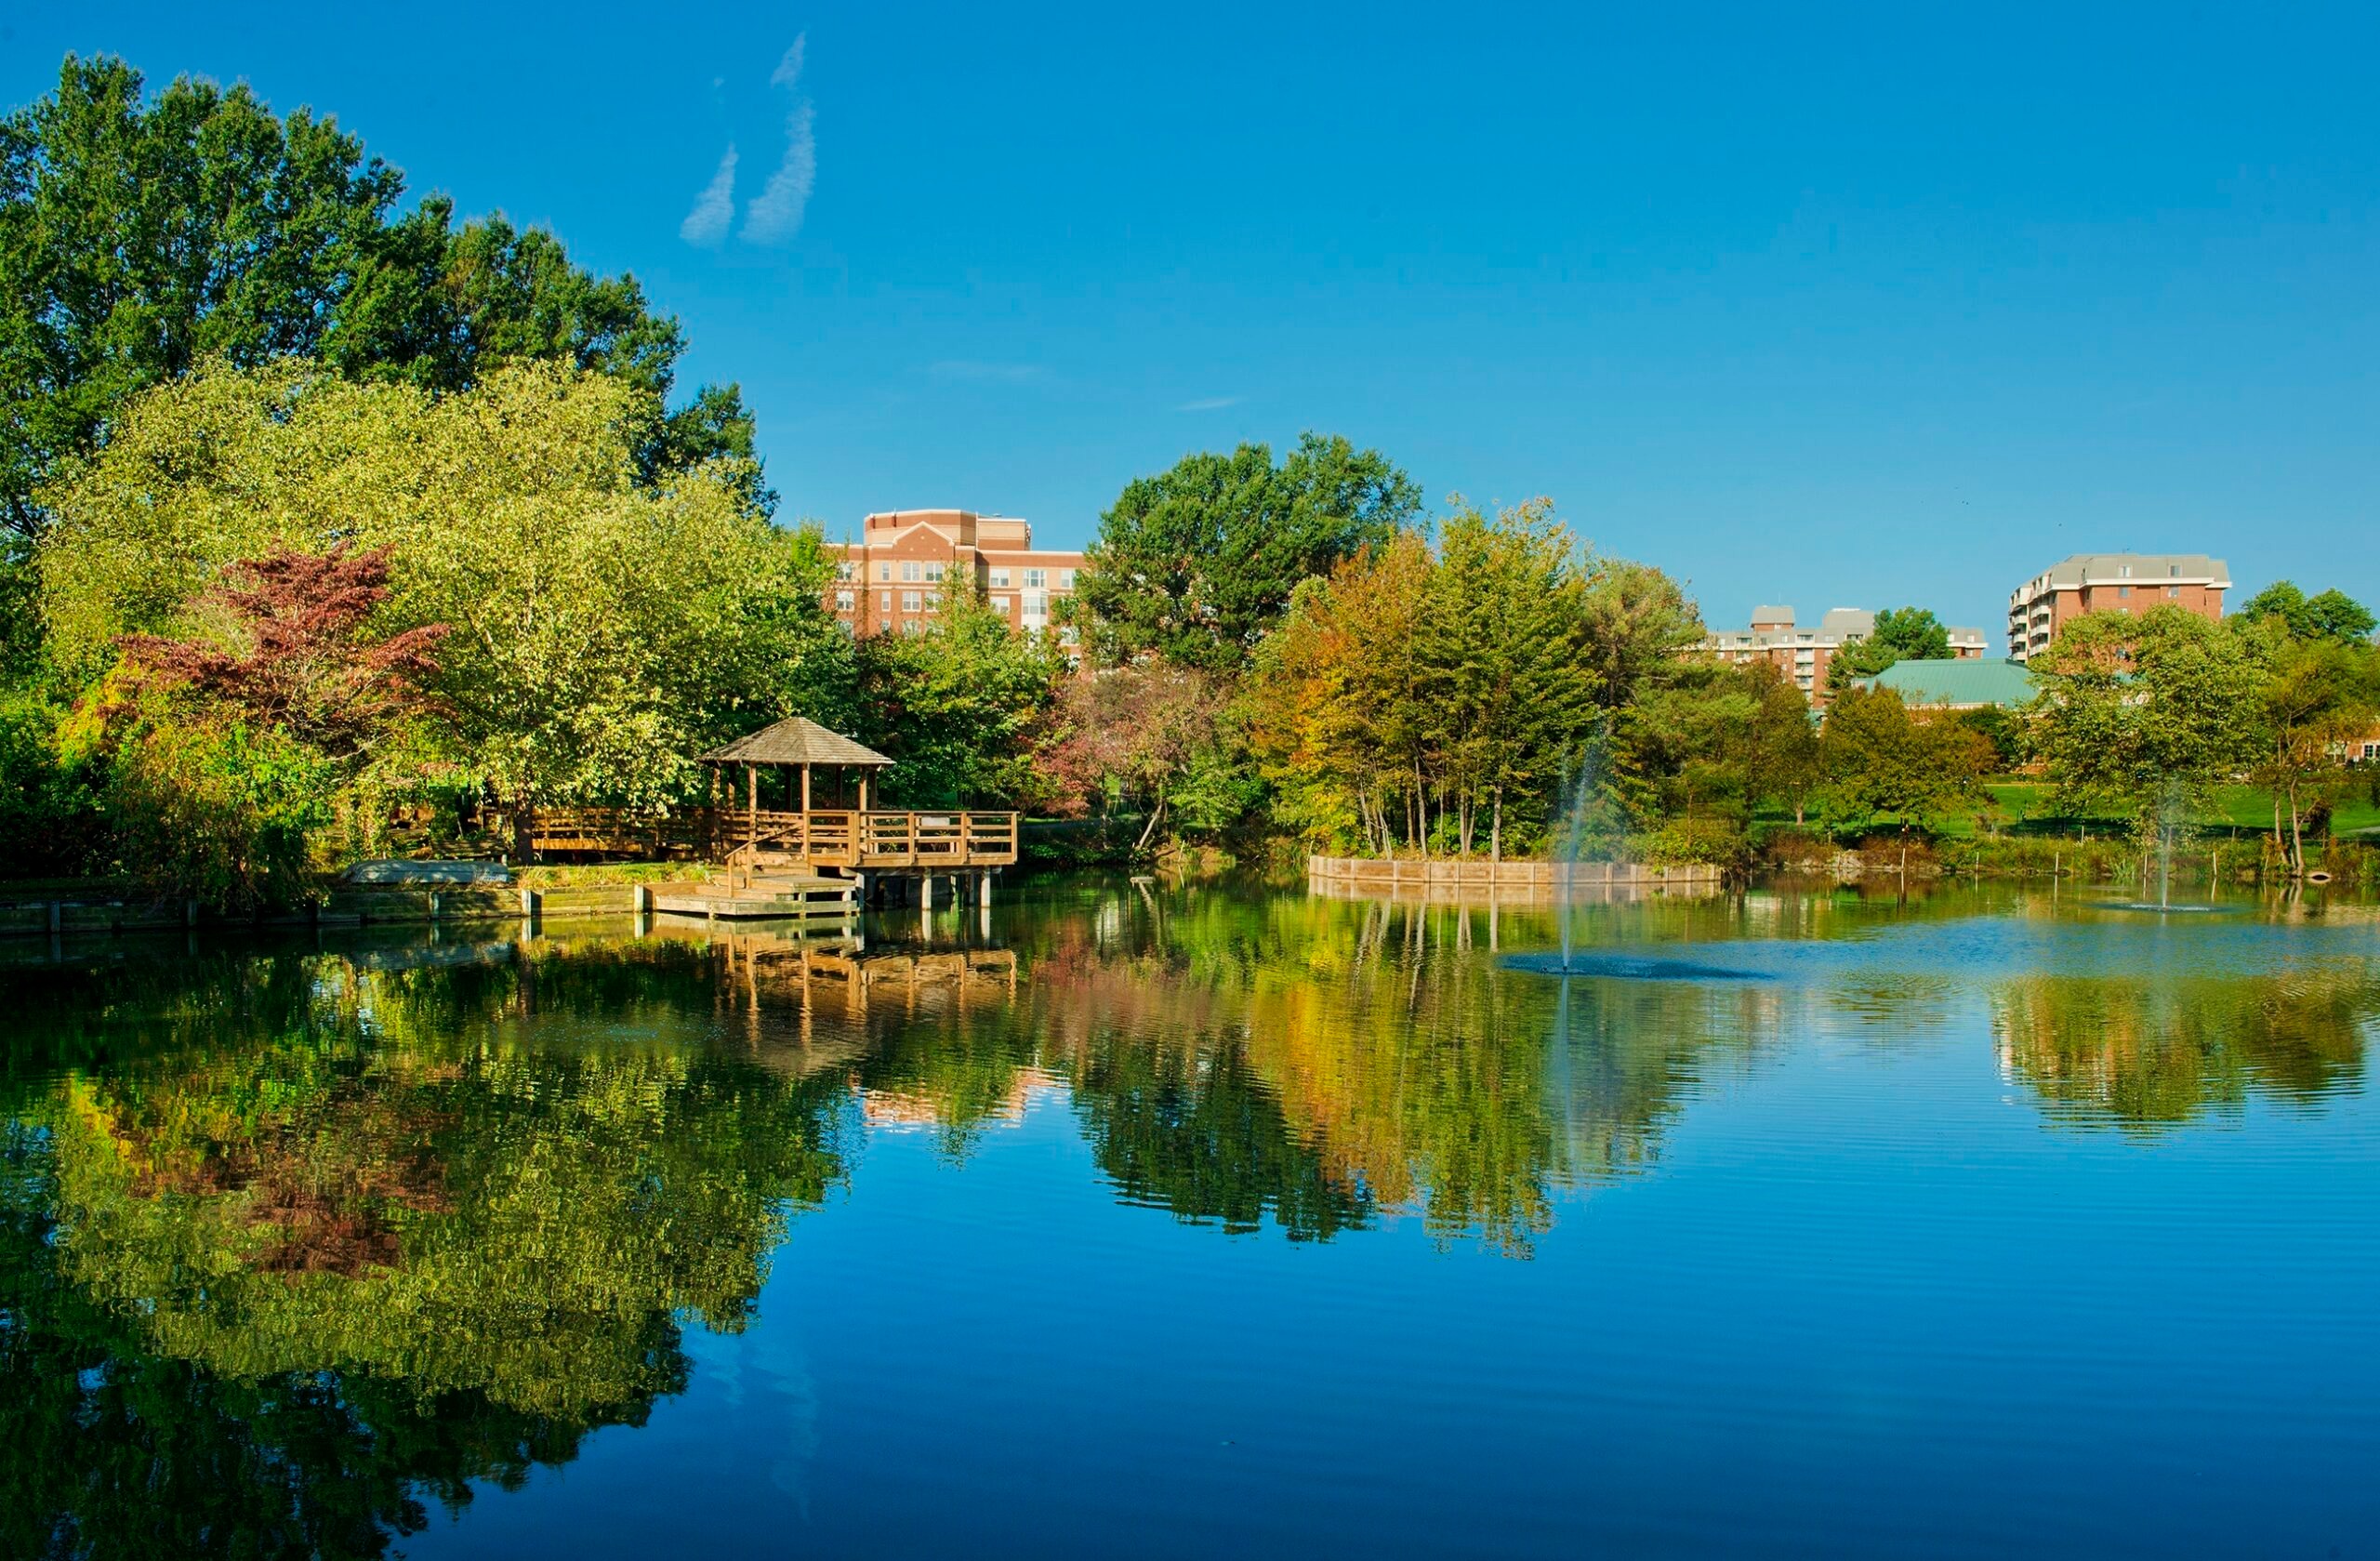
x: 788, y: 71
x: 1209, y: 404
x: 715, y: 207
x: 776, y: 214
x: 976, y: 371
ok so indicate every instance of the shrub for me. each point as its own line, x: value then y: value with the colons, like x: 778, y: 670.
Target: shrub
x: 220, y: 814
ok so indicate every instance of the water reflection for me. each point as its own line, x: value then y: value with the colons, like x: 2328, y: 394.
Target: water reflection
x: 298, y: 1245
x: 2141, y: 1052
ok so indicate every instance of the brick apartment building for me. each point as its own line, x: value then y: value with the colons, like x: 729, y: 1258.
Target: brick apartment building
x: 890, y: 580
x: 1802, y: 654
x: 2123, y: 582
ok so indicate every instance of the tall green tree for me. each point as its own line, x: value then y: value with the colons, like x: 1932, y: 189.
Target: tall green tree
x: 2315, y: 693
x: 1199, y: 561
x: 2142, y: 715
x: 1882, y: 763
x: 143, y: 234
x: 1902, y: 634
x: 960, y: 706
x: 1505, y: 693
x: 2333, y: 615
x: 600, y: 632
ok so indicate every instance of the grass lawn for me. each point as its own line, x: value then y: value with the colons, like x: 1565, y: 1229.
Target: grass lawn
x: 2242, y: 807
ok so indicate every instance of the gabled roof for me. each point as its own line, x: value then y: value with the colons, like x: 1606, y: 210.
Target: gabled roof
x: 794, y: 741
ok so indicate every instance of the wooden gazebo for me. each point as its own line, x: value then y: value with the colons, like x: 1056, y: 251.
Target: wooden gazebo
x: 853, y: 837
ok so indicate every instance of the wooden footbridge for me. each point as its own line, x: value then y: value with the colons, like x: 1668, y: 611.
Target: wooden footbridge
x: 796, y: 855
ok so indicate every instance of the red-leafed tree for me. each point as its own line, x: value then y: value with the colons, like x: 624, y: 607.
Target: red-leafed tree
x: 299, y: 650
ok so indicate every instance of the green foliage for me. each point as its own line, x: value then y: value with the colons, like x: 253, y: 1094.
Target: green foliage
x: 2331, y: 615
x: 1444, y: 696
x: 2140, y: 715
x: 1151, y: 738
x: 1883, y: 764
x: 960, y: 706
x: 1902, y: 634
x: 2001, y: 728
x: 601, y: 631
x: 1504, y: 698
x: 1197, y: 563
x: 48, y: 810
x: 1715, y: 746
x: 218, y: 814
x: 142, y: 235
x: 2315, y: 695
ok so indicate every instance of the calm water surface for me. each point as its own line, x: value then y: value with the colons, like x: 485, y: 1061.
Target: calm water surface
x: 1203, y: 1221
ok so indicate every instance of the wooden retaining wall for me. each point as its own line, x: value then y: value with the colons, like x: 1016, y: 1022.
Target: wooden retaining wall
x: 1527, y: 877
x: 344, y: 908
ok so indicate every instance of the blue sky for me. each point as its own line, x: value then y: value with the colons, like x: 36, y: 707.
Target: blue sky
x: 1898, y: 305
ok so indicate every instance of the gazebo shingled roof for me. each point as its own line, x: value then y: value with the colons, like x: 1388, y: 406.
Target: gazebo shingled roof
x: 794, y: 741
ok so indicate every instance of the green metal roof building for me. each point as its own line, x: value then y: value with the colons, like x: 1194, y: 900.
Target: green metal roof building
x: 1956, y: 686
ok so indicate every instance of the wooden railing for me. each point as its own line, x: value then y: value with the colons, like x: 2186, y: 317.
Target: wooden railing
x: 613, y: 832
x: 827, y: 837
x: 876, y: 838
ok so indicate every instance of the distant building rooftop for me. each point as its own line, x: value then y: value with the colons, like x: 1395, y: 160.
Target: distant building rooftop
x: 2083, y: 569
x: 1956, y: 686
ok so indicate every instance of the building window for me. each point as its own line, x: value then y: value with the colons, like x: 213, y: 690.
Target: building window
x: 1070, y: 636
x: 2173, y: 593
x: 848, y: 628
x: 911, y: 626
x: 999, y: 577
x: 1001, y: 604
x: 1036, y: 578
x: 908, y: 602
x: 883, y: 571
x: 844, y: 572
x: 884, y: 601
x: 2125, y: 572
x: 2123, y: 593
x: 933, y: 573
x: 1037, y: 602
x: 1065, y: 580
x: 2173, y: 571
x: 843, y: 602
x: 908, y: 571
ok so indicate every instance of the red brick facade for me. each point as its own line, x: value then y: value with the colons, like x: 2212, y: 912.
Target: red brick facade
x: 1800, y: 655
x: 2111, y: 582
x: 891, y: 579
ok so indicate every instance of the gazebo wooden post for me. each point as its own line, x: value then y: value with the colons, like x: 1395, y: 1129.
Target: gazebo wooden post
x: 806, y: 811
x: 751, y: 804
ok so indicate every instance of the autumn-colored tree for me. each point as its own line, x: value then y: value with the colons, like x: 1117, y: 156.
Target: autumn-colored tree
x: 1147, y: 735
x: 296, y: 650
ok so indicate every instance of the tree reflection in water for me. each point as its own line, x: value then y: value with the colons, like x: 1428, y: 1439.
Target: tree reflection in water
x: 2147, y: 1052
x: 293, y: 1246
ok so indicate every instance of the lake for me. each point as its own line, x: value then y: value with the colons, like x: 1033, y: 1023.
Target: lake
x: 1203, y: 1221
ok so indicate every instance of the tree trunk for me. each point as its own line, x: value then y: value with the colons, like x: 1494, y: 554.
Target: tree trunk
x: 1495, y: 831
x: 1156, y: 816
x: 2297, y: 836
